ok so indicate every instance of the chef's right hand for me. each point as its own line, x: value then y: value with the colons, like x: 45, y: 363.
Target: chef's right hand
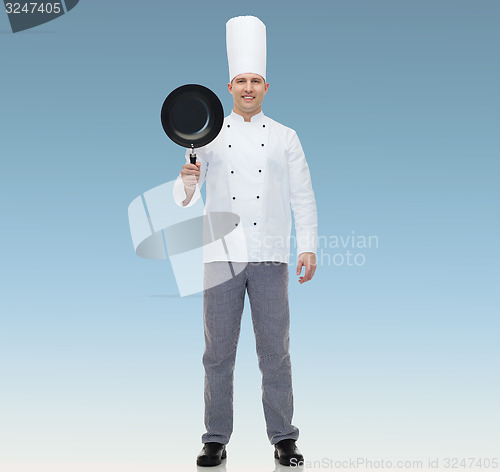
x: 190, y: 174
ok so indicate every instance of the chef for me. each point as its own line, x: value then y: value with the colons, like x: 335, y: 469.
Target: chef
x: 256, y: 174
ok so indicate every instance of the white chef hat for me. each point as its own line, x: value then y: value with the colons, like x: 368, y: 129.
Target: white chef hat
x: 246, y: 46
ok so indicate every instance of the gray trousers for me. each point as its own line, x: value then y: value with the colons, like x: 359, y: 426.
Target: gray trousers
x: 223, y: 302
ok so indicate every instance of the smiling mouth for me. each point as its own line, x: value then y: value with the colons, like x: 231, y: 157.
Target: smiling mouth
x: 248, y: 97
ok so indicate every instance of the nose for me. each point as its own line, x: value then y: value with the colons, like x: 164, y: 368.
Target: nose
x: 248, y: 86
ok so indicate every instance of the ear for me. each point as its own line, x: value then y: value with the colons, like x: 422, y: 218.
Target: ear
x: 230, y: 88
x: 266, y: 87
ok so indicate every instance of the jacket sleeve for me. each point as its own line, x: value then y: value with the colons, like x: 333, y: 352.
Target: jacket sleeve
x: 178, y: 189
x: 302, y: 198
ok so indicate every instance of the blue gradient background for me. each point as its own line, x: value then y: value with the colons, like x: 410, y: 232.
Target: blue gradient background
x: 397, y: 107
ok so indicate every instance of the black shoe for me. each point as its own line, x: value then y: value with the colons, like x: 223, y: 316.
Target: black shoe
x: 211, y: 454
x: 287, y: 453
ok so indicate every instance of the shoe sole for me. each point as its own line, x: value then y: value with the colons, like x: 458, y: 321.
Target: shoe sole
x: 223, y: 456
x: 287, y: 463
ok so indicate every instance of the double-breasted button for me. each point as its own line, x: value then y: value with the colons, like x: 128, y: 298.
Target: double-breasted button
x: 229, y: 145
x: 262, y: 144
x: 255, y: 223
x: 234, y: 198
x: 262, y: 126
x: 260, y: 170
x: 258, y: 196
x: 232, y: 172
x: 229, y: 126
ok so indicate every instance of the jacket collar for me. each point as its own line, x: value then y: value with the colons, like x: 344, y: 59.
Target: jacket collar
x: 255, y: 119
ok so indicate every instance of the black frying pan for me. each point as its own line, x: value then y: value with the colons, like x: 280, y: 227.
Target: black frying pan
x: 192, y: 116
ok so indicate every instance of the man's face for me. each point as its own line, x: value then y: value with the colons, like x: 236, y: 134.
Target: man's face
x: 248, y: 92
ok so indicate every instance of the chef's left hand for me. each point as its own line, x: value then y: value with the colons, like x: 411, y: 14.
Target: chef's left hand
x: 307, y: 259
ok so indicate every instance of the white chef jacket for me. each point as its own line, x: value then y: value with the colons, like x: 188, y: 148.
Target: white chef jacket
x: 254, y: 171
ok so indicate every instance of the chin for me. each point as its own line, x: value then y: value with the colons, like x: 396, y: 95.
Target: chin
x: 249, y: 109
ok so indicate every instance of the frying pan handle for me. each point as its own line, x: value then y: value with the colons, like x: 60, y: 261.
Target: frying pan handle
x: 192, y: 157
